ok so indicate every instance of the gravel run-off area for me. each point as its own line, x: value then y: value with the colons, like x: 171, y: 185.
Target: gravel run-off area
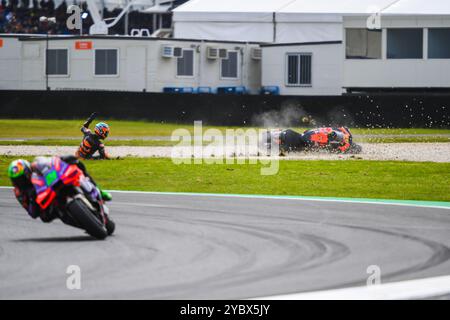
x: 433, y: 152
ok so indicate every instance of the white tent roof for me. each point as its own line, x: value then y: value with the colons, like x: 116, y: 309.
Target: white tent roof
x: 301, y: 10
x: 229, y: 10
x: 252, y: 20
x: 232, y: 5
x: 328, y: 10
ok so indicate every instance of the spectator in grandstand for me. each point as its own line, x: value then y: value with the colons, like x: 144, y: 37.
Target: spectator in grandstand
x: 22, y: 16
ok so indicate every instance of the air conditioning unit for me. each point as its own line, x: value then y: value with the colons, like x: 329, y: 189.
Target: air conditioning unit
x: 212, y: 53
x: 171, y: 52
x: 256, y: 53
x: 167, y: 51
x: 223, y: 53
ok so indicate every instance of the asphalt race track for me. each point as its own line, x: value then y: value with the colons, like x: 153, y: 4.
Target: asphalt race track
x: 207, y: 247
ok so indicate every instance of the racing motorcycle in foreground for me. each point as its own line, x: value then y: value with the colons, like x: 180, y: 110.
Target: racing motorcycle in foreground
x: 331, y: 139
x: 64, y: 189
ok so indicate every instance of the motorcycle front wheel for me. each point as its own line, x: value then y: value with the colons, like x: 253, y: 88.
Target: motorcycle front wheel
x: 110, y: 226
x: 86, y: 219
x: 355, y: 149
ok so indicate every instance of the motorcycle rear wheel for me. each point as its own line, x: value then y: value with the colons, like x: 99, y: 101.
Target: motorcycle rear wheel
x: 86, y: 219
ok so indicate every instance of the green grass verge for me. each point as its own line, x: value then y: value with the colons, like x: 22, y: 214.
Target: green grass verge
x: 400, y: 139
x: 57, y: 132
x: 159, y: 143
x: 23, y: 128
x: 356, y: 179
x: 75, y: 142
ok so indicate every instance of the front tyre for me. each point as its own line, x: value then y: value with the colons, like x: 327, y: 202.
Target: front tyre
x: 86, y: 219
x: 110, y: 226
x: 355, y: 149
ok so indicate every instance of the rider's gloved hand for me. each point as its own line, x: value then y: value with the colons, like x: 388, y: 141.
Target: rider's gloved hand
x: 92, y: 116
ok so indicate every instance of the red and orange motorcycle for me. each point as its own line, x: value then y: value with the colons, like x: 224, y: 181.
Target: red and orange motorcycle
x: 332, y: 139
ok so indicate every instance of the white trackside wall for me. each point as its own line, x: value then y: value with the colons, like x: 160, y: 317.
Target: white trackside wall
x: 140, y: 67
x: 326, y: 68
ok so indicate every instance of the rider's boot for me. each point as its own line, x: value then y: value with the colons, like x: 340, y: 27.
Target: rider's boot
x: 105, y: 195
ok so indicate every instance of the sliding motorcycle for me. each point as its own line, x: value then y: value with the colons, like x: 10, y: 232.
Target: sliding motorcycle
x: 331, y: 139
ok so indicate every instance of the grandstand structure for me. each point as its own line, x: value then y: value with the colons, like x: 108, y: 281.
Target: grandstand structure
x: 124, y: 16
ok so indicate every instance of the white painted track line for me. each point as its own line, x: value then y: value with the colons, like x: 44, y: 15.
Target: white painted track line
x: 411, y: 289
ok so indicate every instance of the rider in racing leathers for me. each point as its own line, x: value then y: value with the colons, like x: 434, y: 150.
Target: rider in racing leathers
x: 20, y: 172
x: 92, y: 142
x: 336, y: 139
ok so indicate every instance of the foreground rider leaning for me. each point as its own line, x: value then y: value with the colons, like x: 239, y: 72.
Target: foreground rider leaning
x: 92, y: 142
x: 21, y: 171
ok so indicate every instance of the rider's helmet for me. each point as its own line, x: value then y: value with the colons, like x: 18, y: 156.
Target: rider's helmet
x: 19, y: 171
x: 336, y: 136
x: 102, y: 130
x: 332, y: 135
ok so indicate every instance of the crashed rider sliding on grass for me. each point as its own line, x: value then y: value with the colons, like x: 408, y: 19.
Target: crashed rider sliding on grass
x: 332, y: 139
x: 92, y: 142
x: 21, y: 173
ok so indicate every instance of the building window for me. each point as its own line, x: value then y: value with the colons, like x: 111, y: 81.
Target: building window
x: 229, y: 67
x: 185, y: 64
x: 363, y: 44
x: 439, y: 43
x: 57, y: 62
x: 106, y: 62
x: 405, y: 43
x: 299, y: 67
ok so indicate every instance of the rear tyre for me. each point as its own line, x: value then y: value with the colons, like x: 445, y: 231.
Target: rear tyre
x: 86, y: 219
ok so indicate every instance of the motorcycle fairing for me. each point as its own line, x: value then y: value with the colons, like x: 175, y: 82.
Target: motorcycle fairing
x: 320, y: 137
x: 51, y: 174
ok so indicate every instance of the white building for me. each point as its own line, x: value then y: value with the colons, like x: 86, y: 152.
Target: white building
x: 314, y: 68
x: 410, y: 52
x: 305, y: 48
x: 127, y: 63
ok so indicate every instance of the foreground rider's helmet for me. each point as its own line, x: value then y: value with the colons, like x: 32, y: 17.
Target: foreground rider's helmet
x: 19, y: 171
x: 102, y: 130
